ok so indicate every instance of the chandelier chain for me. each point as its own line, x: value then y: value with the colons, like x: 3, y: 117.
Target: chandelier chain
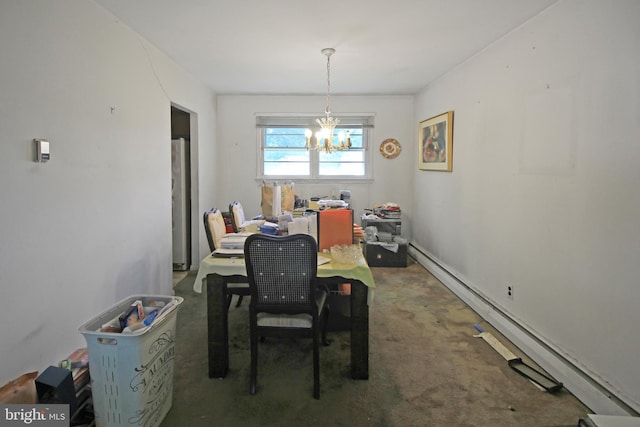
x: 328, y: 109
x: 324, y: 137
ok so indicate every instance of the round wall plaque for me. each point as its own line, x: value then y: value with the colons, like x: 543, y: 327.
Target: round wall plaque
x: 390, y: 148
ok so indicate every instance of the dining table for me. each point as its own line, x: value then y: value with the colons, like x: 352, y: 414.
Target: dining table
x: 215, y: 272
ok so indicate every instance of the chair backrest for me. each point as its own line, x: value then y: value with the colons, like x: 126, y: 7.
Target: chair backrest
x: 282, y: 273
x: 237, y: 215
x: 214, y: 227
x: 335, y: 227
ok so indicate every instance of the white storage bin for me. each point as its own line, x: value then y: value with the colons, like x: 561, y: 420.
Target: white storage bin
x: 132, y: 374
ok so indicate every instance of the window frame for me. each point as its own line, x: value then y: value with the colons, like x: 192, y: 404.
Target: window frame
x: 303, y: 121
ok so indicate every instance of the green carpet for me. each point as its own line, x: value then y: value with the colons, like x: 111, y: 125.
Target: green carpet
x: 426, y: 369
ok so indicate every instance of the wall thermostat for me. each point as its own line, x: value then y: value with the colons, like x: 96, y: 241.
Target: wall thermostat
x: 42, y: 150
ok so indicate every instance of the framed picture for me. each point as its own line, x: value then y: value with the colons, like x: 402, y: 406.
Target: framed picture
x: 435, y: 143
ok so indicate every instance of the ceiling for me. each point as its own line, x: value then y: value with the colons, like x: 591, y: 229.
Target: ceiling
x: 383, y: 47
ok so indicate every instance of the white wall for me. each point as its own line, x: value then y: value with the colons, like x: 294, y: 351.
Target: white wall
x: 238, y: 159
x: 543, y: 194
x: 93, y: 225
x: 544, y: 189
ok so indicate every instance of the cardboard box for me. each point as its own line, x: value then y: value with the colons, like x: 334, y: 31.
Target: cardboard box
x: 378, y: 256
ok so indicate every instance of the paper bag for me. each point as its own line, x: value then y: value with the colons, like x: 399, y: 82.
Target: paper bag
x: 276, y: 199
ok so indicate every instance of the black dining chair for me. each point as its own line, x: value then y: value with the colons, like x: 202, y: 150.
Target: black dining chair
x: 285, y: 301
x: 215, y: 229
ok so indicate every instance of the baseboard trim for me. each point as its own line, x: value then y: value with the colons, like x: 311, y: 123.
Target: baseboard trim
x: 577, y: 380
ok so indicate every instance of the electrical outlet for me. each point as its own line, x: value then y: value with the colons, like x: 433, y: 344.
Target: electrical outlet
x: 510, y: 291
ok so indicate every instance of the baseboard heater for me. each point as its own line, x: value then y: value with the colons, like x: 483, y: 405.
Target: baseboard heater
x: 589, y: 389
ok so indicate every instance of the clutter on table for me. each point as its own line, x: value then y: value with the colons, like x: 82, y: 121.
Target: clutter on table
x: 332, y: 203
x: 270, y: 228
x: 346, y: 254
x: 358, y: 233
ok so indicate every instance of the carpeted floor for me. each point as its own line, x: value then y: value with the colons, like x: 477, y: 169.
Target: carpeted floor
x: 426, y: 369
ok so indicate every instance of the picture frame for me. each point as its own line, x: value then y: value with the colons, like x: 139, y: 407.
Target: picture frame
x: 435, y: 143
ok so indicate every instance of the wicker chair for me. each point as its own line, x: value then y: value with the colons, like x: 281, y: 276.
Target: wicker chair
x: 215, y: 228
x: 285, y: 301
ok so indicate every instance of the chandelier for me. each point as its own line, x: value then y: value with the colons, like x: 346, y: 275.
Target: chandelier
x: 324, y: 137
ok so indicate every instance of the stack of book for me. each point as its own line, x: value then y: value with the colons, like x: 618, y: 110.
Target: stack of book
x: 388, y: 211
x: 231, y: 245
x: 233, y: 240
x: 78, y: 363
x: 269, y: 228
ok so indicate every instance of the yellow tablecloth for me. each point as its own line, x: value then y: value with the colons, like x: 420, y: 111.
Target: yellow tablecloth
x: 236, y: 266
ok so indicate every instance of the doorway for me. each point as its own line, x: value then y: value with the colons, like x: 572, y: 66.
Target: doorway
x: 181, y: 188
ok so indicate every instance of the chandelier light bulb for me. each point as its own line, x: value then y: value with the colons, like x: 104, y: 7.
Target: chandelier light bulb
x: 319, y: 145
x: 307, y: 134
x: 341, y: 139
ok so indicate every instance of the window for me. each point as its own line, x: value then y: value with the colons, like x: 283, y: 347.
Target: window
x: 283, y: 153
